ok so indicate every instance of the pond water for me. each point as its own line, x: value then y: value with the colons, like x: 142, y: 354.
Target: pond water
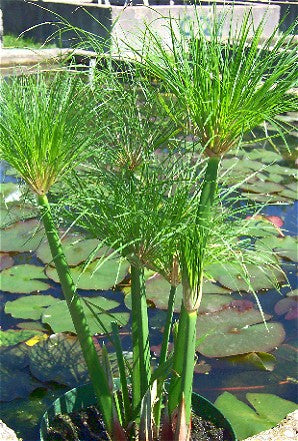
x: 35, y: 370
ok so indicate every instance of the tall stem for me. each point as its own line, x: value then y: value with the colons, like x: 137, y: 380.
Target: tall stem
x: 184, y: 351
x: 96, y: 372
x: 164, y: 350
x: 141, y: 372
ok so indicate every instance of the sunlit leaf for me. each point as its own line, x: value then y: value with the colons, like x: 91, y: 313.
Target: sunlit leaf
x: 233, y: 276
x: 58, y: 317
x: 13, y: 337
x: 76, y: 250
x: 22, y: 236
x: 6, y: 261
x: 23, y: 279
x: 230, y: 331
x: 259, y: 360
x: 108, y: 274
x: 270, y: 410
x: 29, y: 307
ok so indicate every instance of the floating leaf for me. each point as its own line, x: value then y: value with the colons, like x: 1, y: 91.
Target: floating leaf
x: 293, y: 293
x: 233, y: 276
x: 262, y: 187
x: 110, y: 273
x: 31, y: 325
x: 76, y: 249
x: 263, y: 155
x: 6, y: 261
x: 259, y: 360
x: 288, y: 306
x: 158, y: 289
x: 272, y: 198
x: 262, y: 226
x: 283, y: 246
x: 289, y: 193
x: 60, y: 359
x: 29, y: 307
x: 14, y: 213
x: 58, y: 317
x: 22, y: 236
x: 13, y: 337
x: 15, y: 384
x: 23, y: 279
x: 14, y: 356
x: 270, y: 408
x: 287, y: 359
x: 231, y: 331
x: 36, y: 339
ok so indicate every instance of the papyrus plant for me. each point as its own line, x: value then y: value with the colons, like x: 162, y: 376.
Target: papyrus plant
x: 45, y: 132
x: 227, y: 85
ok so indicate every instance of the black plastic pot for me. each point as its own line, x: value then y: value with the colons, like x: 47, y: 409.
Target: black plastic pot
x: 83, y: 396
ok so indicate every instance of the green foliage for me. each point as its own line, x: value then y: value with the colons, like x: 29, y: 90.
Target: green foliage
x: 29, y: 307
x: 13, y: 41
x: 269, y: 411
x: 13, y: 337
x: 227, y: 85
x: 230, y: 332
x: 100, y: 274
x: 43, y: 124
x: 23, y: 279
x: 22, y: 236
x: 58, y: 318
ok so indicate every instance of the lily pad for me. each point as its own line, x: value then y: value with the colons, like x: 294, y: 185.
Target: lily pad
x: 231, y: 331
x: 110, y: 273
x: 158, y: 289
x: 287, y: 307
x: 263, y: 155
x: 23, y: 279
x: 29, y: 307
x: 32, y: 325
x: 270, y: 410
x: 59, y: 359
x: 286, y: 247
x: 260, y: 360
x: 22, y: 236
x: 14, y: 356
x: 6, y: 261
x: 274, y: 198
x: 289, y: 192
x: 14, y: 213
x: 233, y: 276
x: 262, y: 187
x: 58, y: 317
x: 13, y: 337
x: 15, y: 383
x: 76, y: 249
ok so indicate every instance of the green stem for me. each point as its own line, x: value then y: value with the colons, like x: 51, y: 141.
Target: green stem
x: 181, y: 381
x: 184, y: 351
x: 96, y: 372
x: 122, y: 373
x: 175, y: 390
x: 141, y: 371
x: 164, y: 350
x: 208, y: 193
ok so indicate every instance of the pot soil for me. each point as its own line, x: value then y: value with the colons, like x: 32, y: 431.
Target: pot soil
x: 74, y: 417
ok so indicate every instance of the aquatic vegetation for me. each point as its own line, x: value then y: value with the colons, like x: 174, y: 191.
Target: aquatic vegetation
x: 42, y: 131
x: 130, y: 181
x: 269, y: 411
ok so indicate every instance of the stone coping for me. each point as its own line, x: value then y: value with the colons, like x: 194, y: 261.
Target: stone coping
x: 10, y: 57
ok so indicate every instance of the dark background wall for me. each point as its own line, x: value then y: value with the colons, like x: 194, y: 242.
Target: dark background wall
x: 20, y: 15
x: 52, y: 19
